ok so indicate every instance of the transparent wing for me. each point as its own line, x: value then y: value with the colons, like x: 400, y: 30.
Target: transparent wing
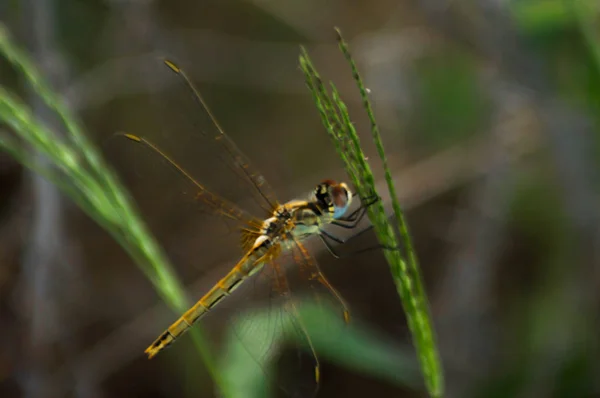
x: 207, y: 125
x: 181, y: 166
x: 177, y: 120
x: 219, y: 206
x: 257, y: 334
x: 272, y: 343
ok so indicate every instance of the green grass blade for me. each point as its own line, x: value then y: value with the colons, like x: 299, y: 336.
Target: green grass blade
x: 26, y: 159
x: 586, y: 14
x: 405, y: 273
x: 76, y: 167
x: 424, y: 331
x: 21, y: 62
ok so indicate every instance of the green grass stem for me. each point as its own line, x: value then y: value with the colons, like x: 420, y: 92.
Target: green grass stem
x: 405, y: 271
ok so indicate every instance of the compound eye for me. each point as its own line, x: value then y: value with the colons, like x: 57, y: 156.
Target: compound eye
x: 341, y: 198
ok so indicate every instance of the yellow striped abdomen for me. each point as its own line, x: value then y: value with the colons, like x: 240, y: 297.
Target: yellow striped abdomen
x: 247, y: 266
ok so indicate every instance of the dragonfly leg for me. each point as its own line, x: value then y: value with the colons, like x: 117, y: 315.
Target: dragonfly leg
x: 338, y: 255
x: 329, y: 248
x: 341, y: 241
x: 324, y: 235
x: 354, y: 218
x: 351, y: 223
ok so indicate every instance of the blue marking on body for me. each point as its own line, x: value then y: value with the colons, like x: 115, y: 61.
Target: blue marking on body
x: 339, y: 212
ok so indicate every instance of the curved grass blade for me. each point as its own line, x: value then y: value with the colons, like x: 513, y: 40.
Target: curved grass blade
x: 77, y: 168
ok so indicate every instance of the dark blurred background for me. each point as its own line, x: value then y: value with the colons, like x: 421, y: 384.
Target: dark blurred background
x: 489, y: 113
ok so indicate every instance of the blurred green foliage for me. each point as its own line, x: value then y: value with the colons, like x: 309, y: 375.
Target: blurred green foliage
x: 353, y: 346
x: 451, y: 104
x: 543, y: 16
x: 565, y: 34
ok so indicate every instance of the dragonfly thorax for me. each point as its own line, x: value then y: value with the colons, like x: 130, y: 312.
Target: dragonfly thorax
x: 280, y: 224
x: 300, y: 219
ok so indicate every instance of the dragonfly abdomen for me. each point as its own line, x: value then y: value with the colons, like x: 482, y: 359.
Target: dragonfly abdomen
x: 246, y: 267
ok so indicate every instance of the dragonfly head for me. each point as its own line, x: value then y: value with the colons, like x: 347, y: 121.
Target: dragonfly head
x: 333, y: 196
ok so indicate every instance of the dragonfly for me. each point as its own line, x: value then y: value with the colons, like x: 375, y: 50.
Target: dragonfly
x: 284, y: 229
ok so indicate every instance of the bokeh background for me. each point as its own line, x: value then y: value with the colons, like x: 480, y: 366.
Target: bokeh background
x: 489, y: 112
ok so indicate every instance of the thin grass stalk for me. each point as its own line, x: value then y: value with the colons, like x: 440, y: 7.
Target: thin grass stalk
x: 429, y: 355
x: 336, y: 119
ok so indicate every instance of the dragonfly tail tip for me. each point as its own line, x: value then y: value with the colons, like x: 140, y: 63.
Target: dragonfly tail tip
x: 151, y: 352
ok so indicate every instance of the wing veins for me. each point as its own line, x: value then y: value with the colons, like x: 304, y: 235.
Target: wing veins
x: 217, y: 204
x: 296, y: 319
x: 256, y: 179
x: 317, y: 274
